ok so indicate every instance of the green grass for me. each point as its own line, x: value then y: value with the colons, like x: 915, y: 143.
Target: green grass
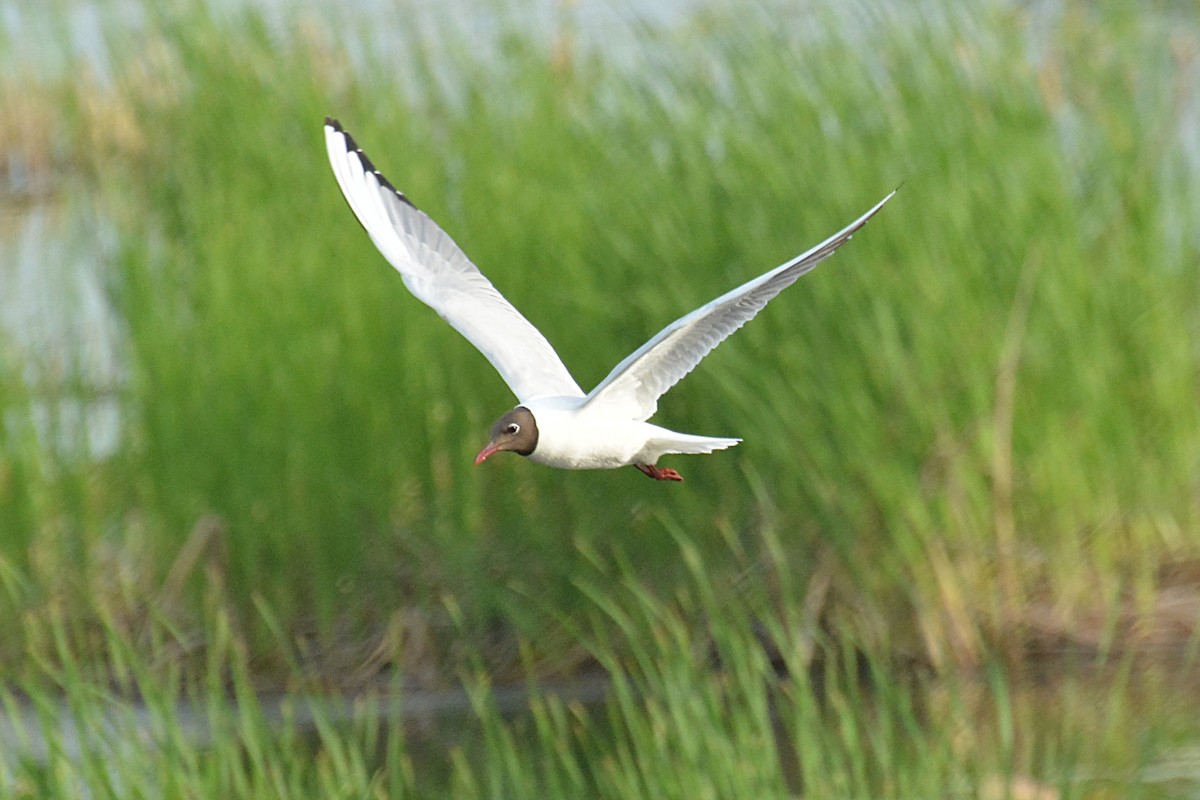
x: 989, y: 394
x: 695, y: 710
x: 981, y: 414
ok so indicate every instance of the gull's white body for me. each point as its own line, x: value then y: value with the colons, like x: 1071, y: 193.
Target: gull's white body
x: 605, y: 428
x: 574, y: 436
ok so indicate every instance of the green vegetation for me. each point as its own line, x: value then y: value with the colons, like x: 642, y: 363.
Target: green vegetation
x: 694, y: 711
x: 971, y: 434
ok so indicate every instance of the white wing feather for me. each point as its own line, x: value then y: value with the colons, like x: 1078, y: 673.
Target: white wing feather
x: 633, y: 387
x: 441, y: 276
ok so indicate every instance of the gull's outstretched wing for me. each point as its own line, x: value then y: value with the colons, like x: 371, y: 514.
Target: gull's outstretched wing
x: 634, y: 386
x: 440, y: 275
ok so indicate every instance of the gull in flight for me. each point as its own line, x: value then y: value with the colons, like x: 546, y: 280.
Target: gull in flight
x: 555, y: 423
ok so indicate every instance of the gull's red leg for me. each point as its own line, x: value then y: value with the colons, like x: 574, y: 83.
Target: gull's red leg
x: 659, y: 473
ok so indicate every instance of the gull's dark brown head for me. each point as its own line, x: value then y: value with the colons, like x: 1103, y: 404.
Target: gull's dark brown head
x: 516, y: 431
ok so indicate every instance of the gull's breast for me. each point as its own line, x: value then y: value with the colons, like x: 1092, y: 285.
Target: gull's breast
x: 571, y: 439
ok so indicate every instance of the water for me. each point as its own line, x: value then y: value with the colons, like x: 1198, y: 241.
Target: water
x: 429, y: 715
x: 57, y: 37
x: 56, y: 327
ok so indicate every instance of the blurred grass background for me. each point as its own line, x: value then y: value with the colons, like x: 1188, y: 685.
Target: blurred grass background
x: 988, y: 399
x: 974, y: 432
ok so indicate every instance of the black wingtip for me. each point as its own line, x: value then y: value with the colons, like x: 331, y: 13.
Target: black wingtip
x: 352, y: 147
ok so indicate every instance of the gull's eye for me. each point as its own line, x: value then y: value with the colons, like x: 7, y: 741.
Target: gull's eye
x: 513, y: 429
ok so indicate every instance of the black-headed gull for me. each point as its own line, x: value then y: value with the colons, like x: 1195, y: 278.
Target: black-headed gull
x: 555, y: 423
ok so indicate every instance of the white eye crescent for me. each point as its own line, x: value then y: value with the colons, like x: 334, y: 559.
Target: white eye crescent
x: 513, y: 429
